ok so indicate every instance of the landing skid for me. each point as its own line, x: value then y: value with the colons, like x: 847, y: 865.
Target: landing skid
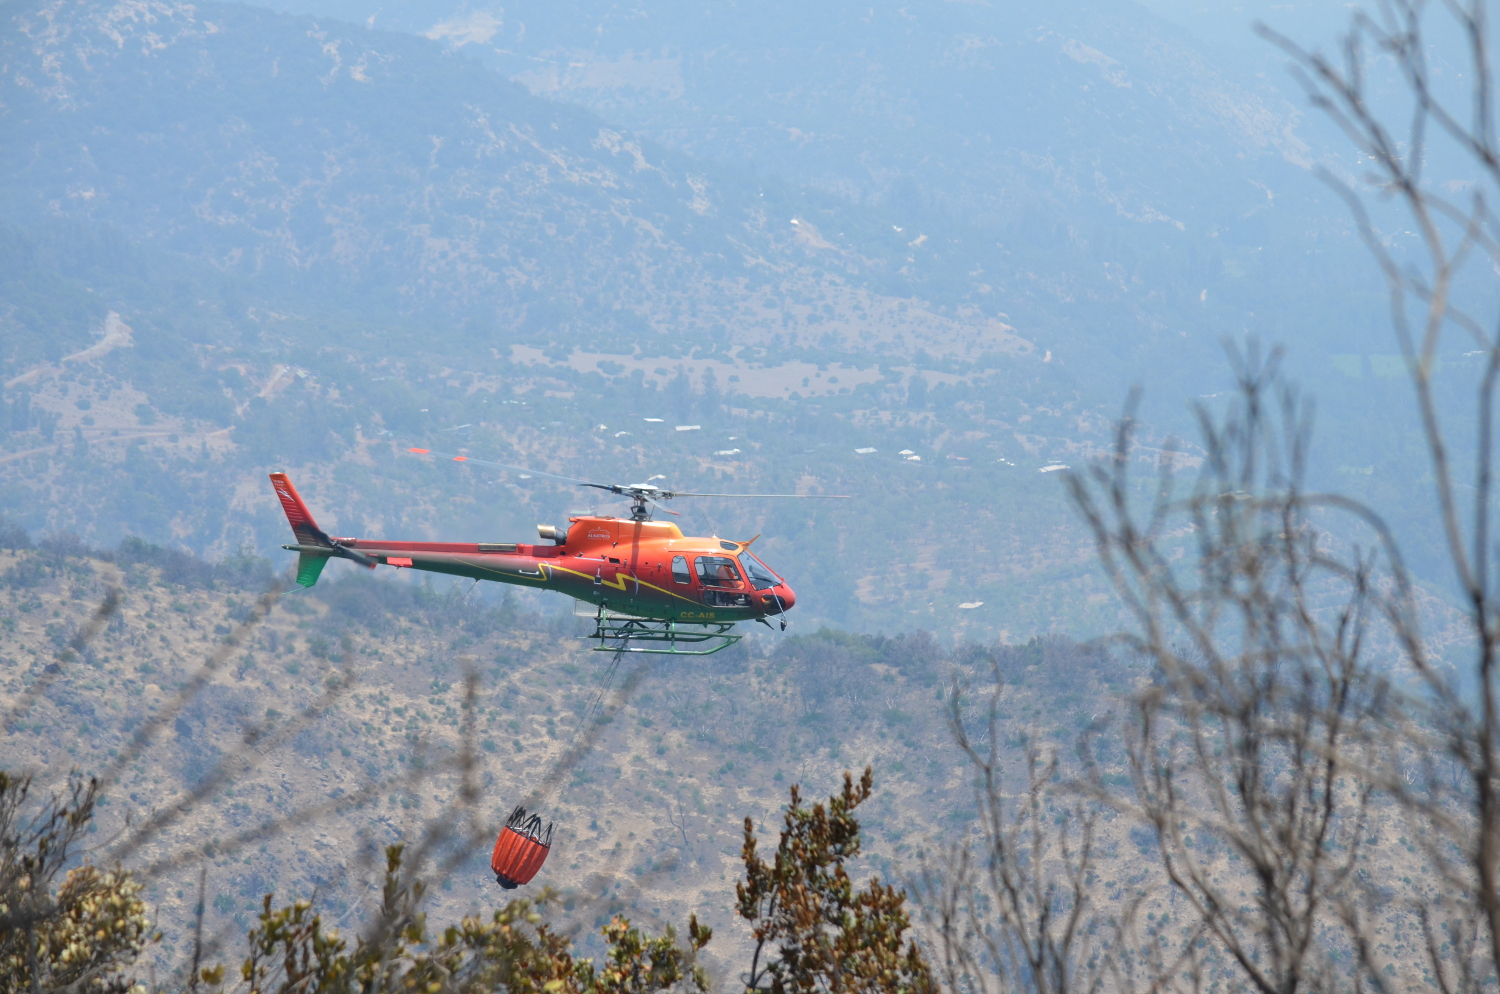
x: 615, y: 634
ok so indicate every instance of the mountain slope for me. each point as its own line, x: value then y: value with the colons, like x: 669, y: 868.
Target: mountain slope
x: 1084, y: 168
x: 334, y: 727
x: 333, y: 238
x: 291, y: 152
x: 329, y: 244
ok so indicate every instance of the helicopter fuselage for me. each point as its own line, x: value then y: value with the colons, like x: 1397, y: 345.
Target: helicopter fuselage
x: 642, y: 569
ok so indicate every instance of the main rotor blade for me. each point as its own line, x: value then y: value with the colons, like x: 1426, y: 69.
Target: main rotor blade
x: 798, y: 496
x: 636, y: 494
x: 501, y: 465
x: 663, y: 507
x: 615, y: 488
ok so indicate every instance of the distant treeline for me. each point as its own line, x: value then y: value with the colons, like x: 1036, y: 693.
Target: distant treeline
x: 353, y: 600
x: 241, y: 571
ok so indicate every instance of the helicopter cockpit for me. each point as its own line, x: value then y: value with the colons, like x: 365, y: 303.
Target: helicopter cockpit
x: 717, y: 571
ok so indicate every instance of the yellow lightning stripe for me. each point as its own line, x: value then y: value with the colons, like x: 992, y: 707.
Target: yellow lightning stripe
x: 619, y: 584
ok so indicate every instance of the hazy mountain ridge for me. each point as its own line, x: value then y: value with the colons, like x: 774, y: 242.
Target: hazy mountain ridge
x: 1077, y: 73
x: 459, y: 193
x: 1084, y: 168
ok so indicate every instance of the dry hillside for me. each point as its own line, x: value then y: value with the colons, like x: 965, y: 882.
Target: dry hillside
x: 336, y: 723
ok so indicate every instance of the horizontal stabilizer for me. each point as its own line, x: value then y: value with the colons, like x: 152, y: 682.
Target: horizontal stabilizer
x: 309, y: 568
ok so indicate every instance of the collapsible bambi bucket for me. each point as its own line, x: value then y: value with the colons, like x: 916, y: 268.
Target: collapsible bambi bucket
x: 521, y: 849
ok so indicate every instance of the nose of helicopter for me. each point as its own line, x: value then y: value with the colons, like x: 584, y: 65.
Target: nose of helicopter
x: 788, y: 598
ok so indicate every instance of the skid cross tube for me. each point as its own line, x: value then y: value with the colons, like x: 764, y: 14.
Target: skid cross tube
x: 616, y: 634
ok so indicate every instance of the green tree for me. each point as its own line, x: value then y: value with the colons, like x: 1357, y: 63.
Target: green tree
x: 828, y: 937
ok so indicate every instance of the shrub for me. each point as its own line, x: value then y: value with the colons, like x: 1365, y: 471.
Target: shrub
x: 86, y: 932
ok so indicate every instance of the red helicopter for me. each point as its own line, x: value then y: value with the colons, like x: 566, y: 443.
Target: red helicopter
x: 651, y: 589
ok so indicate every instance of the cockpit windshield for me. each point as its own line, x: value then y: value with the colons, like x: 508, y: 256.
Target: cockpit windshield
x: 761, y: 578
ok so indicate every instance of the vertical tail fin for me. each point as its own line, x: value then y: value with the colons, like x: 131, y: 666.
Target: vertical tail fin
x: 309, y: 536
x: 299, y: 517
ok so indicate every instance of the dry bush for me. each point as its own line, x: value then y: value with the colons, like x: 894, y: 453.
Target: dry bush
x: 80, y: 933
x: 1014, y: 908
x: 291, y: 952
x: 1250, y: 750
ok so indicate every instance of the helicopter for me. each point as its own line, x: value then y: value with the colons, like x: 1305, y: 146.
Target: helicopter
x: 648, y: 587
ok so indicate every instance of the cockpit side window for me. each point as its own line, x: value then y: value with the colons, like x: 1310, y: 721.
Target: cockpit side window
x: 680, y: 570
x: 761, y: 578
x: 717, y: 571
